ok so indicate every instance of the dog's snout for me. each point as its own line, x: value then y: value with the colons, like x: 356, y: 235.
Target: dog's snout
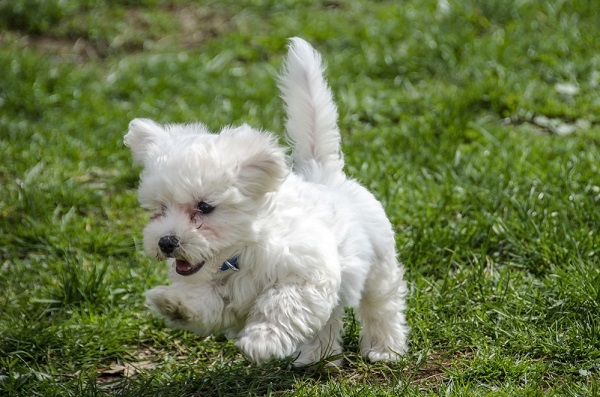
x: 167, y: 244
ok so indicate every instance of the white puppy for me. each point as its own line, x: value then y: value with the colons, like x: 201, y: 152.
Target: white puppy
x: 265, y: 254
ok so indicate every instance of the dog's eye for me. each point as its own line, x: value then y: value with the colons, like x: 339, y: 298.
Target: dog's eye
x: 154, y: 216
x: 158, y: 213
x: 205, y: 208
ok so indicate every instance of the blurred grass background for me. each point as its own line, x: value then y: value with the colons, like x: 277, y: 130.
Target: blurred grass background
x: 475, y: 122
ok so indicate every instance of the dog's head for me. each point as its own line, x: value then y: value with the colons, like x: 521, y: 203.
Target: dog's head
x: 207, y: 193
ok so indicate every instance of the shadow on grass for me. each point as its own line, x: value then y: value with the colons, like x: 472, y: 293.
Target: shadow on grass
x: 241, y: 378
x: 234, y: 380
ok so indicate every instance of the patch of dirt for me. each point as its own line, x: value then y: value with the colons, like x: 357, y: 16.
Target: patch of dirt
x: 200, y: 24
x: 431, y: 372
x: 194, y: 26
x: 142, y: 360
x: 429, y: 375
x: 123, y: 370
x: 77, y: 51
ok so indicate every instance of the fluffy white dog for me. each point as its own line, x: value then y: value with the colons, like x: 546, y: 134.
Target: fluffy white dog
x: 265, y: 254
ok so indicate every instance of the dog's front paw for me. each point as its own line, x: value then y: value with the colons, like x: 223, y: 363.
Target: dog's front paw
x: 168, y: 304
x: 262, y: 342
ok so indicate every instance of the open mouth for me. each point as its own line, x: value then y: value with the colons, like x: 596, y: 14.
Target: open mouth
x: 185, y: 268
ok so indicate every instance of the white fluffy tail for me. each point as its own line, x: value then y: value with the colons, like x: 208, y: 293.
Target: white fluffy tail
x: 311, y: 125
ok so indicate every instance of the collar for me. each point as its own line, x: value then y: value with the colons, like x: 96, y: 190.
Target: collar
x: 230, y: 264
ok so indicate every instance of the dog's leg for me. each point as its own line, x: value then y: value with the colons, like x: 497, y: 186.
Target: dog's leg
x: 197, y: 308
x: 384, y: 330
x: 326, y: 345
x: 283, y: 317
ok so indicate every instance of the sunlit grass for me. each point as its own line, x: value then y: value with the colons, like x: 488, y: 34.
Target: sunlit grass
x: 474, y: 122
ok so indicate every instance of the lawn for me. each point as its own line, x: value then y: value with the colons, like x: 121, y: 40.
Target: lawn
x: 475, y: 122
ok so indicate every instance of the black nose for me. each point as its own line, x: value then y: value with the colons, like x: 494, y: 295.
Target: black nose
x: 168, y: 244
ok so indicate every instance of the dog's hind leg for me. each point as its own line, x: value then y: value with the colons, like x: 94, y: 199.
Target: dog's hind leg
x: 384, y: 330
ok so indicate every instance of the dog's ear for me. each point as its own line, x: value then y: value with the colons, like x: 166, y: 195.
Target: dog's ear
x: 143, y: 137
x: 261, y: 161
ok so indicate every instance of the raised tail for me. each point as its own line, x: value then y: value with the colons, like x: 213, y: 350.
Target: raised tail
x: 311, y: 125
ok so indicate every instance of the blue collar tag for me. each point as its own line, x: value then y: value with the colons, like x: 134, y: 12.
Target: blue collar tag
x: 230, y: 264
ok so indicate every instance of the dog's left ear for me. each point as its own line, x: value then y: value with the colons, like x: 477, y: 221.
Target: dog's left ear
x: 143, y: 137
x: 262, y: 163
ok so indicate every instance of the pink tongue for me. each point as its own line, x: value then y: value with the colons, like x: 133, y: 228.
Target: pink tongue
x: 182, y: 266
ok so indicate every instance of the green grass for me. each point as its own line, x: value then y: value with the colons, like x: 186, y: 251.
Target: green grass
x: 496, y: 211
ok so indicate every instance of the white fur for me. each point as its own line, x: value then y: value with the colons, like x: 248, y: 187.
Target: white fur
x: 309, y: 242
